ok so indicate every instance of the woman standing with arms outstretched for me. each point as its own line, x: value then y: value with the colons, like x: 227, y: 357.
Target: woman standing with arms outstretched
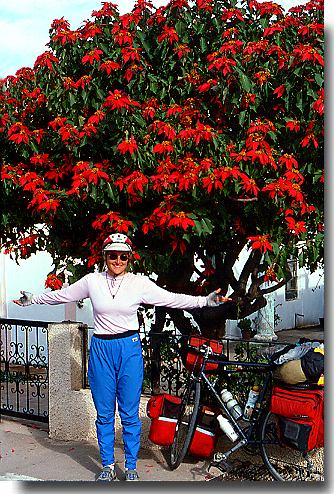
x: 115, y: 369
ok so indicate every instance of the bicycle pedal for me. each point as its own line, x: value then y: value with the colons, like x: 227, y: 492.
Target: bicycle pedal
x: 218, y: 457
x: 220, y: 463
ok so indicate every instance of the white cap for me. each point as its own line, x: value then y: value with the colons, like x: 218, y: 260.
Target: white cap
x: 117, y: 242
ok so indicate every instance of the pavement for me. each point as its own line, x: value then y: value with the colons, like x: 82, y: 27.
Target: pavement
x: 28, y: 454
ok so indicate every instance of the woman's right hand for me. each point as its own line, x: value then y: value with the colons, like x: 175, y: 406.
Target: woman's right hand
x: 25, y: 299
x: 214, y: 299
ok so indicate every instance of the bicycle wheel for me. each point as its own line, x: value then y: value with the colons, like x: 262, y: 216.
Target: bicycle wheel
x: 285, y: 463
x: 185, y: 425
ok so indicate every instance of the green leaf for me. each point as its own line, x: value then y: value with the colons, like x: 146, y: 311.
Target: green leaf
x: 93, y: 192
x: 319, y: 80
x: 299, y: 102
x: 275, y: 248
x: 244, y: 80
x: 207, y: 224
x: 33, y: 147
x: 73, y: 99
x: 100, y: 93
x: 203, y: 44
x: 139, y: 119
x: 145, y: 44
x: 242, y: 117
x: 110, y: 192
x: 312, y: 93
x: 180, y: 28
x: 204, y: 226
x: 280, y: 273
x: 272, y: 135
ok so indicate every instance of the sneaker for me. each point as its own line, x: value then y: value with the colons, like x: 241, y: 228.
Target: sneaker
x: 107, y: 474
x: 131, y: 475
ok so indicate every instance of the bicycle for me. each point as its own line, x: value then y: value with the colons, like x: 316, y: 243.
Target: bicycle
x: 261, y: 432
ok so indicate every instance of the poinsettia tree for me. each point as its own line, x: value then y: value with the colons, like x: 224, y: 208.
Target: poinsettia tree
x: 196, y: 128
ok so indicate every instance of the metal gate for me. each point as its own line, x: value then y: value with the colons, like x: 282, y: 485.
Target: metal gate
x: 24, y: 369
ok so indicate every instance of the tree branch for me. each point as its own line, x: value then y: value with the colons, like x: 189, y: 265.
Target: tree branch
x: 250, y: 267
x: 268, y: 290
x: 225, y: 269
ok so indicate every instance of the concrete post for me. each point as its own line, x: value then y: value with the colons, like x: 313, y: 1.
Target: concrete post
x: 71, y: 410
x: 265, y: 321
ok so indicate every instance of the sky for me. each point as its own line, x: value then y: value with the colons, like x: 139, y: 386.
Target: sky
x: 24, y: 25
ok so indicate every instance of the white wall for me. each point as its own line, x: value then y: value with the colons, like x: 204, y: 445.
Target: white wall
x: 310, y: 301
x: 30, y: 275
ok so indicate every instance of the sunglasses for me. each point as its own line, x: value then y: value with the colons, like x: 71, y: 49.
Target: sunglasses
x: 114, y: 256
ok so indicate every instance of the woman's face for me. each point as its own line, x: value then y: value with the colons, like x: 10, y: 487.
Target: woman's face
x: 117, y: 262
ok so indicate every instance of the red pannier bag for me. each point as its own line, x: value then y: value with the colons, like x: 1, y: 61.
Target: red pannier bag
x: 205, y: 436
x: 194, y: 359
x: 163, y: 410
x: 300, y: 415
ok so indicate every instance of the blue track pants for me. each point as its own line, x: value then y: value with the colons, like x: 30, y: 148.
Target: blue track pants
x: 115, y: 372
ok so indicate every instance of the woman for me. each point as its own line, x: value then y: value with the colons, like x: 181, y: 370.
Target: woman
x: 115, y: 368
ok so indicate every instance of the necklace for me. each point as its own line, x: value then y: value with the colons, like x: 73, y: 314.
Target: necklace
x: 113, y: 283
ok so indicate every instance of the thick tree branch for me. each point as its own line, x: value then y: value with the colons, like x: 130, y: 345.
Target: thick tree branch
x: 225, y: 266
x: 250, y: 267
x: 268, y: 290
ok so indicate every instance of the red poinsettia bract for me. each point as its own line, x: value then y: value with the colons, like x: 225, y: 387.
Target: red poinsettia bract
x: 53, y: 282
x: 118, y: 100
x: 163, y: 148
x: 108, y: 66
x: 95, y: 174
x: 178, y: 244
x: 261, y: 242
x: 168, y: 34
x: 270, y: 275
x: 319, y: 104
x: 47, y: 59
x: 293, y: 125
x: 128, y: 146
x: 92, y: 56
x: 181, y: 220
x: 294, y: 227
x: 19, y: 133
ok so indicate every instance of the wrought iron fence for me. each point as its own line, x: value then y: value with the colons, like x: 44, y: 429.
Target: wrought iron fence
x: 24, y: 363
x: 163, y: 368
x: 165, y: 353
x: 24, y: 369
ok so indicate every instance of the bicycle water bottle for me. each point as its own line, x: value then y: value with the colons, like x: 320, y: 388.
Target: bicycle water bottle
x: 227, y: 428
x: 231, y: 404
x: 251, y: 402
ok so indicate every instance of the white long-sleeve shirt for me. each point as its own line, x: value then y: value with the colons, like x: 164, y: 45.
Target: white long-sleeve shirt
x: 115, y: 300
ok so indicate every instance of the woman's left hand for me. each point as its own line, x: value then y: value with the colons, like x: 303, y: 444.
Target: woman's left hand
x: 215, y: 299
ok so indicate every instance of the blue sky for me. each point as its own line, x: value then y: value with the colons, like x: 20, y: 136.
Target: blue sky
x: 24, y: 25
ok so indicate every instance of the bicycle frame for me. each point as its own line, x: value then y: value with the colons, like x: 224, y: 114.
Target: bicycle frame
x: 246, y: 433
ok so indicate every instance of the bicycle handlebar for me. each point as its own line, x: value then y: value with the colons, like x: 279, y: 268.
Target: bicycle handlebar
x: 213, y: 357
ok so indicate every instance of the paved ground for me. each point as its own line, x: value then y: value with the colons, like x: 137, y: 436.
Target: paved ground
x: 295, y: 334
x: 28, y: 454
